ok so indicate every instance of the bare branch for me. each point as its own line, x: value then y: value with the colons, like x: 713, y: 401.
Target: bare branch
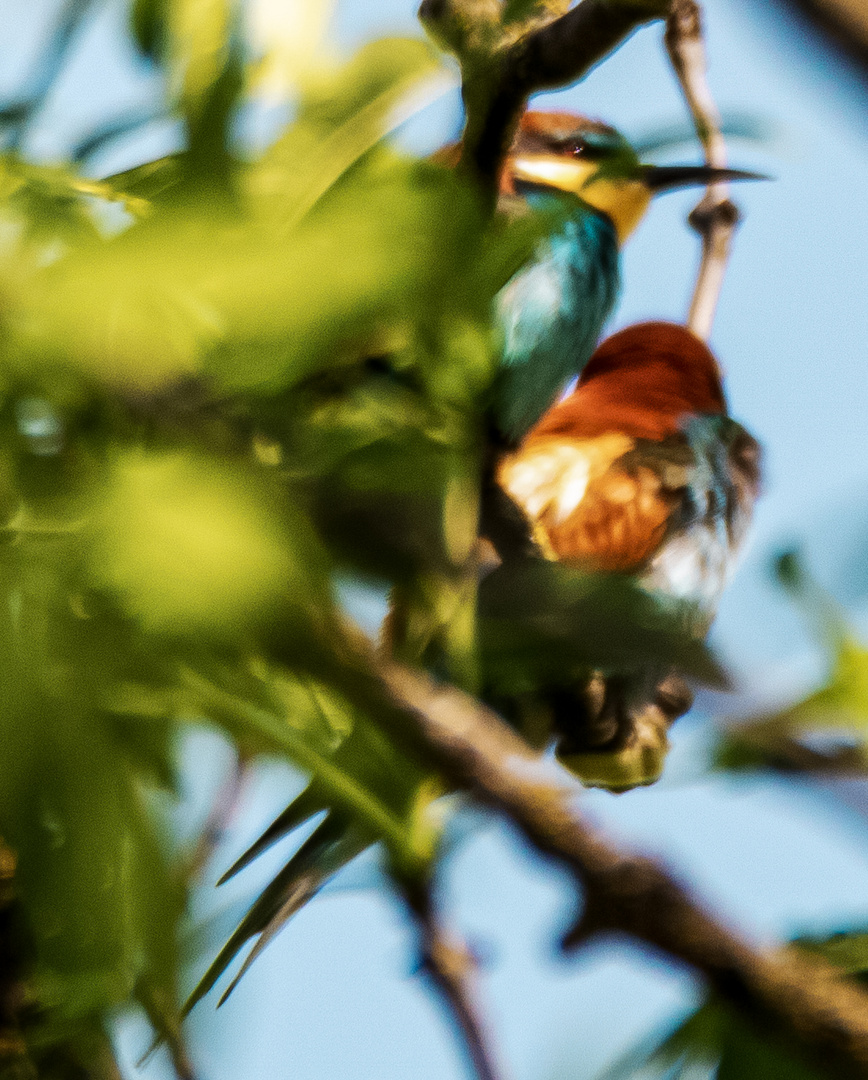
x: 823, y: 1013
x: 453, y: 969
x: 715, y: 218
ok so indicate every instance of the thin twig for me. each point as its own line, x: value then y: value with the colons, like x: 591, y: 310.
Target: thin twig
x: 453, y: 970
x: 219, y: 818
x: 715, y: 218
x: 823, y: 1013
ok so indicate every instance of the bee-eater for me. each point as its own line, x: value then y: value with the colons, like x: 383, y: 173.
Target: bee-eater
x: 639, y: 471
x: 552, y: 312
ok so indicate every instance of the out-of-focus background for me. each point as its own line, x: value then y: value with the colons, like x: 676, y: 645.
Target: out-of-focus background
x: 337, y: 995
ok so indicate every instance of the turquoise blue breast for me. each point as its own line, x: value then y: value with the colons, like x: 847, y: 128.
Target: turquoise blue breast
x: 552, y: 314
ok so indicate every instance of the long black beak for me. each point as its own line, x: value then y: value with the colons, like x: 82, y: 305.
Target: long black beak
x: 669, y: 177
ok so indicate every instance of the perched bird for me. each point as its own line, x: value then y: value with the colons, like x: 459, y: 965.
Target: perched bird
x: 553, y: 311
x: 639, y: 471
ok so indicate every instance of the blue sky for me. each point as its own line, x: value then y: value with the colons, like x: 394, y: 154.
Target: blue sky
x: 335, y: 995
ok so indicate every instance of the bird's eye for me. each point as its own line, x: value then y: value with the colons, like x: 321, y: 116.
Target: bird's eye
x: 578, y: 148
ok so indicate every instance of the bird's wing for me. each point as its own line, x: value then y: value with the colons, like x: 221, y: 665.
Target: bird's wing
x: 744, y: 466
x: 701, y: 550
x: 675, y: 509
x: 595, y: 502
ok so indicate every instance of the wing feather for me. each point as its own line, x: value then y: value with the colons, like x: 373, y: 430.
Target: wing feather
x: 618, y: 525
x: 674, y: 509
x: 586, y: 504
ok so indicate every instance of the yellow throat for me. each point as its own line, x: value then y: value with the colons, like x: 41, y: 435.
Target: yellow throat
x: 622, y: 199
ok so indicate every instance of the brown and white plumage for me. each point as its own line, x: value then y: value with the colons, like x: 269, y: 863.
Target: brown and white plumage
x: 609, y: 477
x: 640, y: 471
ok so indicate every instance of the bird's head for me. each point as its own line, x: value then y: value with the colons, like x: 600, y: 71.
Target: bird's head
x: 566, y: 152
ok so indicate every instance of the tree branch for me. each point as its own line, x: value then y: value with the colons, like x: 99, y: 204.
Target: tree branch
x: 715, y: 218
x: 823, y: 1013
x: 504, y: 63
x: 453, y: 969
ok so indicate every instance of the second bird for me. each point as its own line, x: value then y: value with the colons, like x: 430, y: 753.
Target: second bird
x: 639, y: 472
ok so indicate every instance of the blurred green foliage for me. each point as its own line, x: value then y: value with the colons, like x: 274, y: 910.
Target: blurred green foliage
x: 715, y: 1041
x: 827, y: 730
x: 823, y: 733
x: 225, y: 384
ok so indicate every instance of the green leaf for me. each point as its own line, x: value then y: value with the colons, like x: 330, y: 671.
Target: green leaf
x: 748, y: 1056
x: 148, y: 20
x: 149, y: 181
x: 330, y: 847
x: 190, y: 545
x: 716, y: 1040
x: 101, y: 900
x: 167, y: 301
x: 51, y: 204
x: 378, y: 258
x: 345, y: 788
x: 695, y: 1039
x: 847, y: 950
x: 341, y: 118
x: 369, y: 789
x: 303, y: 807
x: 127, y: 314
x: 199, y: 47
x: 199, y: 44
x: 839, y: 706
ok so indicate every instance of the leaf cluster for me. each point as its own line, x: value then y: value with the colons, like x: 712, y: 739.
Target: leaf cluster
x: 826, y: 731
x: 225, y: 386
x: 717, y: 1041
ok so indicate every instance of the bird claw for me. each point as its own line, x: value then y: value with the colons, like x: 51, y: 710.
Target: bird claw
x: 639, y: 752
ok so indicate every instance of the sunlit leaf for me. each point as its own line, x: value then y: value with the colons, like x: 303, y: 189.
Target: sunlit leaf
x: 305, y: 304
x: 341, y: 118
x: 148, y: 181
x: 201, y: 32
x: 101, y: 900
x: 290, y: 36
x: 189, y: 545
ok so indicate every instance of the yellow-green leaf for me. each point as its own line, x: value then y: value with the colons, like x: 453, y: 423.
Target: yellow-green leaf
x: 190, y: 545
